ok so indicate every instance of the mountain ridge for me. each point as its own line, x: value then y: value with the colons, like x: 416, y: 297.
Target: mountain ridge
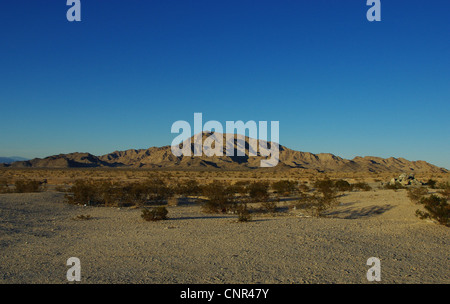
x: 11, y: 159
x: 162, y: 157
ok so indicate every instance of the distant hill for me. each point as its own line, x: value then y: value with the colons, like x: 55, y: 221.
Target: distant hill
x: 11, y: 159
x: 162, y: 157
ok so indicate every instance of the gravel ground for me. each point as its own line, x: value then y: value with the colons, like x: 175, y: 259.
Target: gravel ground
x: 38, y: 234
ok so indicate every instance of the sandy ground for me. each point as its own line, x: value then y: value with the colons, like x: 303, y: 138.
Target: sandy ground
x: 38, y: 235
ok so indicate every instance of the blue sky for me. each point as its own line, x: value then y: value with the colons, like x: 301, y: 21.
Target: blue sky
x: 118, y: 79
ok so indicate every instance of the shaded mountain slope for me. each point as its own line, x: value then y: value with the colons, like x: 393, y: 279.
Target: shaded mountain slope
x: 162, y: 157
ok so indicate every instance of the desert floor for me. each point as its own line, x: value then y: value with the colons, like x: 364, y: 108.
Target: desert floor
x: 38, y: 234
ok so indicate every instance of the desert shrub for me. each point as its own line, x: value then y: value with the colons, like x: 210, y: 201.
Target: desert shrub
x: 445, y: 190
x: 109, y: 194
x: 395, y: 186
x: 242, y: 183
x: 362, y: 186
x: 96, y: 193
x: 324, y: 185
x: 326, y: 196
x: 436, y: 208
x: 303, y: 188
x: 156, y: 190
x: 190, y: 187
x: 106, y: 193
x: 415, y: 194
x: 443, y: 185
x: 155, y: 214
x: 326, y: 188
x: 305, y: 203
x: 243, y: 213
x: 220, y: 197
x: 84, y: 192
x: 28, y: 186
x: 61, y: 188
x: 240, y: 187
x: 89, y: 192
x: 316, y: 204
x: 211, y: 207
x: 150, y: 191
x: 431, y: 183
x: 270, y: 206
x: 343, y: 185
x: 173, y: 201
x: 284, y: 187
x: 322, y: 200
x: 4, y: 188
x: 82, y: 217
x: 258, y: 191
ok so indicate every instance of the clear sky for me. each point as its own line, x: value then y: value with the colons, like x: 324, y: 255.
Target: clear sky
x: 118, y: 79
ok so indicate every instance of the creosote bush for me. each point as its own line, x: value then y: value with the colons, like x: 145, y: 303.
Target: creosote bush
x: 445, y: 190
x: 394, y: 187
x: 324, y: 201
x: 28, y: 186
x: 243, y: 213
x: 240, y: 188
x: 324, y: 185
x: 415, y: 194
x: 303, y: 188
x: 443, y: 185
x: 154, y: 214
x: 324, y: 198
x: 61, y: 188
x: 189, y: 187
x: 258, y: 191
x: 269, y: 206
x: 4, y: 186
x: 343, y: 185
x: 82, y: 217
x: 284, y: 187
x: 436, y: 208
x: 362, y: 186
x: 431, y: 183
x: 107, y: 193
x: 220, y: 197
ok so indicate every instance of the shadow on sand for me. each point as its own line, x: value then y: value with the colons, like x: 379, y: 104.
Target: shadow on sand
x: 357, y: 213
x: 200, y: 218
x: 214, y: 217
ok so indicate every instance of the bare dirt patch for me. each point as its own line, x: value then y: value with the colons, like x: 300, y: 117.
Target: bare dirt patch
x: 38, y: 235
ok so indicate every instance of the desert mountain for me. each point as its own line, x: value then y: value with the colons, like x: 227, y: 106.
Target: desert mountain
x: 162, y: 157
x: 11, y: 159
